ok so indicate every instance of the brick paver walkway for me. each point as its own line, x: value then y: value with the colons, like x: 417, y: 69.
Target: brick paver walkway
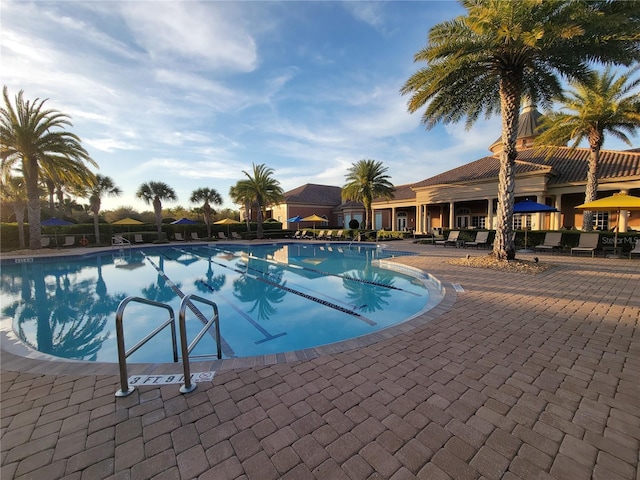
x: 523, y: 377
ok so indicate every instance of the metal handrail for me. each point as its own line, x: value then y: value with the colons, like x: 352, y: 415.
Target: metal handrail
x: 125, y: 389
x: 187, y: 301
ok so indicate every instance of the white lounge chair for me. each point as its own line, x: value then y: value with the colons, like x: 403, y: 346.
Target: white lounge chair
x: 45, y: 242
x: 338, y: 236
x: 69, y: 241
x: 222, y: 236
x: 452, y: 239
x: 588, y: 242
x: 179, y: 237
x: 552, y: 241
x: 138, y: 238
x: 194, y: 236
x: 482, y: 238
x: 236, y: 236
x: 636, y: 250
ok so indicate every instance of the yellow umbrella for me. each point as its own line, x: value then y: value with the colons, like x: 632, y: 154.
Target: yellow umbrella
x: 128, y: 221
x: 617, y: 202
x: 313, y: 218
x: 227, y: 222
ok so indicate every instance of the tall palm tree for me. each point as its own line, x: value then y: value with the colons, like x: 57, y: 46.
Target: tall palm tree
x: 13, y: 193
x: 104, y: 186
x: 604, y: 104
x: 241, y: 195
x: 502, y: 50
x: 32, y: 136
x: 154, y: 193
x: 208, y: 196
x: 366, y: 180
x: 262, y: 189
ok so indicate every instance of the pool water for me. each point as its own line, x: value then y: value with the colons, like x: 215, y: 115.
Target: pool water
x: 271, y: 298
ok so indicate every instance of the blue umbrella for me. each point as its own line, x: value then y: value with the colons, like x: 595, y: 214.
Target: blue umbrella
x: 184, y: 221
x: 297, y: 219
x: 529, y: 206
x: 55, y: 222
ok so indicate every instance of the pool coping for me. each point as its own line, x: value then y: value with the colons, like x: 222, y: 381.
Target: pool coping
x: 18, y: 356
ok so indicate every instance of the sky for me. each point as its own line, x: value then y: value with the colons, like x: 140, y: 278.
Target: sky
x: 192, y: 93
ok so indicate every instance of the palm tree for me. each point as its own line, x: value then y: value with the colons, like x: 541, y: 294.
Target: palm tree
x: 366, y: 180
x: 602, y: 105
x: 503, y: 50
x: 154, y: 193
x: 34, y: 136
x: 104, y: 186
x: 208, y: 196
x: 13, y: 193
x: 240, y: 195
x: 262, y: 189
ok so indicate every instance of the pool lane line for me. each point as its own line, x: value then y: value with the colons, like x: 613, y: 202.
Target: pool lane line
x: 243, y: 314
x: 301, y: 294
x: 339, y: 275
x: 226, y: 348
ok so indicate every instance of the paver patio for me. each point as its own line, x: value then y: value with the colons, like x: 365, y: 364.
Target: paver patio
x: 521, y: 376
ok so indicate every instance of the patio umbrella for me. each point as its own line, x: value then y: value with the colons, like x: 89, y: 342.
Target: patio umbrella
x: 617, y: 202
x: 128, y: 221
x: 227, y: 222
x: 184, y: 221
x: 297, y: 219
x: 314, y: 218
x: 55, y: 222
x: 527, y: 207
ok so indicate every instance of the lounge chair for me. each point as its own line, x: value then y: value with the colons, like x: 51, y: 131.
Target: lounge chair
x: 552, y: 242
x: 138, y: 238
x: 69, y: 241
x: 320, y: 234
x: 482, y: 238
x: 328, y: 234
x: 236, y: 236
x: 45, y: 242
x: 452, y: 239
x: 178, y: 236
x: 588, y: 242
x: 194, y: 236
x: 222, y: 236
x: 338, y: 236
x: 636, y: 250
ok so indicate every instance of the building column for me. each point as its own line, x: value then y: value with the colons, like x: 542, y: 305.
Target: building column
x: 489, y: 220
x: 394, y: 222
x: 452, y: 215
x: 556, y: 217
x: 624, y: 216
x: 539, y: 217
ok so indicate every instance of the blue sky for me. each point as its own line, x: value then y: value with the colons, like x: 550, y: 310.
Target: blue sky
x: 192, y: 93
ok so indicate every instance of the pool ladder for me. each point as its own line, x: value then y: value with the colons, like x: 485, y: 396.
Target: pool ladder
x: 187, y: 301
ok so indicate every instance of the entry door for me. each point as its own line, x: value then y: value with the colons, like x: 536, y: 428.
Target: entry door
x: 402, y: 223
x: 463, y: 221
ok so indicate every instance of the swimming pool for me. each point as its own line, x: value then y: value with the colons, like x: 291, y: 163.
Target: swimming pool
x: 271, y: 297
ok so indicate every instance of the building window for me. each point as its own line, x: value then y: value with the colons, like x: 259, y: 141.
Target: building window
x: 601, y: 221
x: 519, y: 222
x: 478, y: 222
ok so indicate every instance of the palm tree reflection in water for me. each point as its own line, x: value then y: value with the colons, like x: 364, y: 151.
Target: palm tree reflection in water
x: 264, y: 295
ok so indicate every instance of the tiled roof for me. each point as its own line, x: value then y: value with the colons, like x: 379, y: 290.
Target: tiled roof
x: 568, y: 165
x: 400, y: 192
x: 316, y: 194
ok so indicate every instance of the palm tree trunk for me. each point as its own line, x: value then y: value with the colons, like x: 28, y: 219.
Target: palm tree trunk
x: 510, y: 97
x: 591, y: 191
x: 207, y: 218
x: 367, y: 214
x: 157, y: 208
x: 30, y: 172
x: 18, y: 210
x: 95, y: 208
x: 260, y: 230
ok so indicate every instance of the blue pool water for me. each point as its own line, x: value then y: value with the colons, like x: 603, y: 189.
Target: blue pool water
x: 271, y: 298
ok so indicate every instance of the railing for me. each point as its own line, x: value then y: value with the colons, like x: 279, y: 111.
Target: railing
x: 125, y: 389
x: 187, y: 301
